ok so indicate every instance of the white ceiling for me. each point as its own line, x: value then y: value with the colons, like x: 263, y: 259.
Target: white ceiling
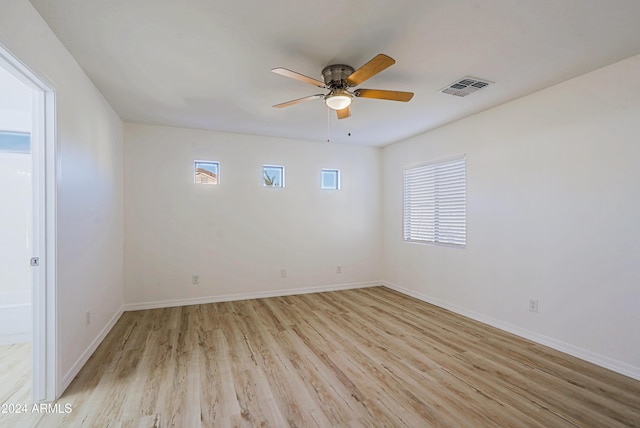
x: 206, y: 63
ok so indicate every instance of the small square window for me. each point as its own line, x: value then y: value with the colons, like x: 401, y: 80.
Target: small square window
x: 206, y: 172
x: 330, y: 179
x: 272, y: 176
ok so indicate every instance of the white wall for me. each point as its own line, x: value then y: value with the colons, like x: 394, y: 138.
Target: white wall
x: 89, y: 187
x: 553, y: 189
x: 237, y: 236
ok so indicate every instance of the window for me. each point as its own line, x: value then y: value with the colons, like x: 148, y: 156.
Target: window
x: 272, y: 176
x: 435, y: 203
x: 330, y: 179
x: 15, y: 142
x: 206, y: 172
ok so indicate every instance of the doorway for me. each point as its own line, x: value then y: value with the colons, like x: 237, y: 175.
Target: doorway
x: 27, y: 159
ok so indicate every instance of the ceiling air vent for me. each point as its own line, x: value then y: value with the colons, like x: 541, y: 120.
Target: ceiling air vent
x: 465, y: 86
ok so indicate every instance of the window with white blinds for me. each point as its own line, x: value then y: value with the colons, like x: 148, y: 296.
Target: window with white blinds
x: 435, y: 203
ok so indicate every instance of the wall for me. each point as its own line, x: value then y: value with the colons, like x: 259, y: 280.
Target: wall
x: 552, y: 187
x: 237, y: 236
x: 89, y: 188
x: 15, y: 215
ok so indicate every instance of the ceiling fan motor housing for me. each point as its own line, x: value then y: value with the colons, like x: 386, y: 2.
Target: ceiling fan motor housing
x: 335, y: 76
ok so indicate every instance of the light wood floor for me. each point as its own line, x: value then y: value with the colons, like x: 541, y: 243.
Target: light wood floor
x: 358, y: 358
x: 15, y: 374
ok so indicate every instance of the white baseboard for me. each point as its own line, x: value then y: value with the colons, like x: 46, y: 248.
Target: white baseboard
x: 600, y: 360
x: 75, y: 368
x: 567, y: 348
x: 245, y: 296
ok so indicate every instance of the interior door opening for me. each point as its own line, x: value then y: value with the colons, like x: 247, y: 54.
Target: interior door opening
x: 27, y: 232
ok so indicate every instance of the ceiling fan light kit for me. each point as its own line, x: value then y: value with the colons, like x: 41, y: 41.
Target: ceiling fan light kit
x: 338, y: 99
x: 338, y: 78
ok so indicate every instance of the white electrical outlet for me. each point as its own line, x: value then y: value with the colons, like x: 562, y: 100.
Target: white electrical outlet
x: 533, y: 305
x: 87, y: 317
x: 195, y: 279
x: 283, y: 273
x: 338, y: 269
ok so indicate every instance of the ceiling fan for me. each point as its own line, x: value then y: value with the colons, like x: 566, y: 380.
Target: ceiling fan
x: 338, y: 78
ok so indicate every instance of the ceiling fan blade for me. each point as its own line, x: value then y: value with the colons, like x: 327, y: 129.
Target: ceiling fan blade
x: 383, y: 95
x: 344, y: 113
x: 370, y: 69
x: 301, y: 77
x: 298, y: 101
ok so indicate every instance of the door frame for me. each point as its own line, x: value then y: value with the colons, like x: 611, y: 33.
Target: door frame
x: 45, y: 372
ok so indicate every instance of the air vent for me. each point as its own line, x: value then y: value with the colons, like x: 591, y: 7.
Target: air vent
x: 465, y: 86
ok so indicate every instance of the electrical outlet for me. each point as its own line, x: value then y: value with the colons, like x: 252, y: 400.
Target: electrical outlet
x: 338, y: 269
x: 533, y: 305
x: 87, y: 317
x: 195, y: 279
x: 283, y: 273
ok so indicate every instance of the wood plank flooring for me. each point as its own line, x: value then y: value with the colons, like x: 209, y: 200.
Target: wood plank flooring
x: 358, y: 358
x: 15, y: 374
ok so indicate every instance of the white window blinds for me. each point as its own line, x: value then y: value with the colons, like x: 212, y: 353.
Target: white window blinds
x: 435, y: 202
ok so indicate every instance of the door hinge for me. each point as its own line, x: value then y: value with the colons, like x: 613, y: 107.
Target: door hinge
x: 35, y: 261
